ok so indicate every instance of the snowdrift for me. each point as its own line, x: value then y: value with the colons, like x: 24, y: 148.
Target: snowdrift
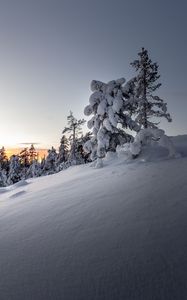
x: 113, y: 233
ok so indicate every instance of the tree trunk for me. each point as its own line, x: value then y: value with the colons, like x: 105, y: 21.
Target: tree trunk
x: 145, y: 99
x: 73, y: 146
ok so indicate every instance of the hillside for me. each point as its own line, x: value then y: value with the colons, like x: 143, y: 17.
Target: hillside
x: 98, y: 234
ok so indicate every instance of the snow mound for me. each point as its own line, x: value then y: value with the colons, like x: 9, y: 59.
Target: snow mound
x: 3, y: 190
x: 149, y: 153
x: 180, y: 144
x: 118, y: 232
x: 152, y: 136
x: 152, y: 151
x: 20, y: 193
x: 21, y: 183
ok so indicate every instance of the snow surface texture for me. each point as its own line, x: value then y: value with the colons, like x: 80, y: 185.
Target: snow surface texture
x: 115, y: 233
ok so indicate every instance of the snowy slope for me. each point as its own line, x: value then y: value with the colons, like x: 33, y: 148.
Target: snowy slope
x: 114, y: 233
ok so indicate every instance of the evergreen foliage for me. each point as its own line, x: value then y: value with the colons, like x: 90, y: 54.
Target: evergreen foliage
x: 74, y: 129
x: 63, y: 150
x: 148, y: 105
x: 50, y: 165
x: 111, y: 110
x: 3, y: 159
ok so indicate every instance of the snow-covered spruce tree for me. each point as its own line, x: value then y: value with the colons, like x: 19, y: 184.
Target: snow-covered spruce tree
x: 34, y: 170
x: 3, y: 160
x: 3, y: 178
x: 24, y: 162
x: 148, y: 104
x: 111, y: 115
x: 63, y: 150
x: 15, y: 172
x: 74, y: 129
x: 24, y: 157
x: 82, y: 155
x: 50, y: 166
x: 63, y: 154
x: 33, y: 154
x: 42, y: 164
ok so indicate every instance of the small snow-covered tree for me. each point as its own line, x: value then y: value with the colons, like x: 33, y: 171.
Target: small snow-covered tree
x: 43, y: 163
x: 34, y: 170
x: 63, y: 150
x: 14, y: 174
x: 81, y: 154
x: 74, y: 128
x: 111, y: 109
x: 33, y: 154
x: 50, y: 166
x: 3, y: 178
x: 24, y: 157
x: 3, y: 159
x: 145, y: 84
x: 24, y: 162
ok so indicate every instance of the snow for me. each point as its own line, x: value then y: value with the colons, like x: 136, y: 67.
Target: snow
x: 110, y: 112
x: 113, y: 233
x: 151, y: 136
x: 135, y: 148
x: 88, y: 110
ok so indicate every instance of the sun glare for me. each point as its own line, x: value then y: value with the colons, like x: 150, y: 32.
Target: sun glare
x: 11, y: 141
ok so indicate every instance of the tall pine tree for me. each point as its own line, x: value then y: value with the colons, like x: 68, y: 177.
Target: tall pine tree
x: 148, y: 104
x: 63, y: 150
x: 74, y: 129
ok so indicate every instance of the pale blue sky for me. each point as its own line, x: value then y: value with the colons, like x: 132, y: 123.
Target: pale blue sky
x: 50, y: 50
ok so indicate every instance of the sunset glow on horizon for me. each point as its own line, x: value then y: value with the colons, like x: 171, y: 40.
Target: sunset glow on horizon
x: 10, y: 151
x: 51, y: 50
